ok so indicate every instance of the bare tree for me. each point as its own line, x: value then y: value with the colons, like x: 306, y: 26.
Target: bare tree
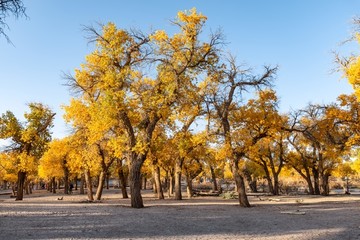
x: 8, y: 8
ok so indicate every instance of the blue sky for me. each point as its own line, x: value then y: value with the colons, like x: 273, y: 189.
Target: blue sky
x: 298, y: 36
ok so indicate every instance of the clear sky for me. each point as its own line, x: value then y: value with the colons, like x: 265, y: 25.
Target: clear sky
x: 297, y: 35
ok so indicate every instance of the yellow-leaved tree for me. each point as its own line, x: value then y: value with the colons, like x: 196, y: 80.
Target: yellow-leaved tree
x: 137, y: 79
x: 28, y: 140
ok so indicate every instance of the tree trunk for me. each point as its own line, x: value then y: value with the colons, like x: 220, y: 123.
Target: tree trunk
x: 53, y: 184
x: 76, y: 183
x: 144, y: 182
x: 20, y: 185
x: 122, y: 180
x: 100, y: 186
x: 240, y: 185
x: 89, y: 186
x: 159, y: 190
x: 276, y: 185
x: 172, y: 184
x: 178, y: 168
x: 66, y: 179
x: 189, y: 188
x: 213, y: 177
x: 325, y: 190
x: 26, y: 187
x: 135, y: 181
x: 316, y: 181
x: 5, y: 185
x: 82, y: 183
x: 107, y: 180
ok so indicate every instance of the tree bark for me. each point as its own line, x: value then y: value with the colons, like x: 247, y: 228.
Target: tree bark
x: 53, y: 184
x: 213, y: 177
x: 107, y: 180
x: 122, y: 180
x: 159, y: 190
x: 26, y: 187
x: 135, y: 181
x: 240, y: 185
x: 189, y: 187
x: 20, y: 185
x: 325, y: 190
x: 100, y: 186
x: 90, y: 194
x: 66, y: 179
x: 82, y: 183
x: 316, y: 181
x: 251, y: 181
x: 178, y: 169
x: 143, y: 183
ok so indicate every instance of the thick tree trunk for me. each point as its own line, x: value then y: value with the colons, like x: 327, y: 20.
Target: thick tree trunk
x: 90, y: 194
x: 159, y: 190
x: 178, y: 168
x: 213, y: 177
x: 276, y: 185
x: 100, y: 186
x: 135, y: 182
x: 20, y: 185
x: 240, y: 185
x: 316, y: 181
x: 189, y: 187
x: 325, y: 190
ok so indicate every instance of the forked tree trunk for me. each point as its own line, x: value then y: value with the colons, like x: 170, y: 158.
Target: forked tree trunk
x: 100, y: 186
x: 20, y: 185
x: 89, y: 186
x: 159, y: 190
x: 178, y: 168
x: 135, y: 181
x: 240, y: 185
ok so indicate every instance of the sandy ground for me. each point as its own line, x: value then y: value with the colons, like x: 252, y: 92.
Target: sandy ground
x: 42, y: 216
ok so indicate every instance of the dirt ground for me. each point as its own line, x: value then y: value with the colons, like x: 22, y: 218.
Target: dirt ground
x: 42, y: 216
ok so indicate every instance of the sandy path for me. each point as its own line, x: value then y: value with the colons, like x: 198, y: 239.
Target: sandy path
x: 42, y: 216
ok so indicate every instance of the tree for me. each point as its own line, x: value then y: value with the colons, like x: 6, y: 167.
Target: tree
x: 28, y: 140
x: 321, y: 144
x: 54, y: 163
x: 7, y: 8
x: 225, y: 86
x: 263, y: 126
x: 139, y: 78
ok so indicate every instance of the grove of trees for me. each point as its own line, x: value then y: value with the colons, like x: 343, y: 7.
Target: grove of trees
x: 175, y: 108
